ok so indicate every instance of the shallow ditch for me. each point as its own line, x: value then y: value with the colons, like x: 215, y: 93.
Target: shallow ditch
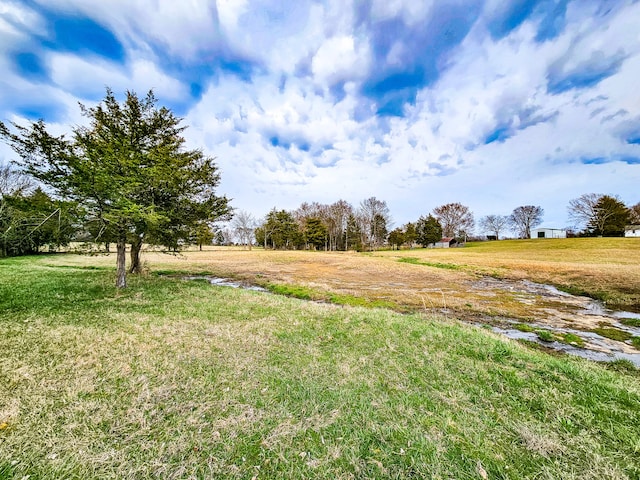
x: 577, y: 316
x: 558, y: 312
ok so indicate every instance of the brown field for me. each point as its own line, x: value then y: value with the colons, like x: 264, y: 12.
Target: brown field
x: 479, y: 280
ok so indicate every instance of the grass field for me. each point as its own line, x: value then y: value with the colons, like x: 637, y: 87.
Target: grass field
x: 604, y: 268
x: 177, y: 379
x: 607, y: 269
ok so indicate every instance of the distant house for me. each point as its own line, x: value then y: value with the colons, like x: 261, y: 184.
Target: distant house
x: 446, y: 242
x: 632, y: 231
x: 548, y: 233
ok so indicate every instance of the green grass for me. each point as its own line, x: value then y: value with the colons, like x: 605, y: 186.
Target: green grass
x: 175, y: 379
x: 307, y: 293
x: 635, y: 341
x: 613, y: 333
x: 571, y: 339
x: 524, y: 327
x: 630, y: 322
x: 545, y: 335
x: 417, y: 261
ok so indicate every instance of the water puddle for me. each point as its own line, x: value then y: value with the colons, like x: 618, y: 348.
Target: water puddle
x: 225, y: 282
x: 598, y: 348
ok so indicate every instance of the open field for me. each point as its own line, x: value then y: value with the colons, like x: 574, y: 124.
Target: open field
x: 484, y: 282
x: 177, y: 379
x: 607, y: 269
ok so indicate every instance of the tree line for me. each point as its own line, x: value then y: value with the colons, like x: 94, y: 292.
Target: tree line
x: 341, y: 226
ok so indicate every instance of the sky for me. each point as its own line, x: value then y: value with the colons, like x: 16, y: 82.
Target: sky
x: 490, y: 103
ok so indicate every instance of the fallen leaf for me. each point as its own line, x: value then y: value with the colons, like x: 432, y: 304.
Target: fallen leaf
x: 482, y: 471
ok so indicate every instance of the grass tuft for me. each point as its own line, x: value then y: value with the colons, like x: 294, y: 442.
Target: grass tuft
x: 545, y: 335
x: 612, y: 333
x: 630, y: 322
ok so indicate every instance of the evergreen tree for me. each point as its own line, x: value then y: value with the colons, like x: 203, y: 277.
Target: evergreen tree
x: 130, y: 170
x: 428, y: 230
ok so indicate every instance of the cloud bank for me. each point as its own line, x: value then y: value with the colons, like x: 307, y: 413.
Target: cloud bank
x: 489, y: 103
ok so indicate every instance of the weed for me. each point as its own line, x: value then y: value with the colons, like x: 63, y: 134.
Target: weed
x: 622, y: 365
x: 571, y: 339
x: 635, y: 341
x: 545, y: 335
x: 630, y: 322
x: 524, y: 327
x: 612, y: 333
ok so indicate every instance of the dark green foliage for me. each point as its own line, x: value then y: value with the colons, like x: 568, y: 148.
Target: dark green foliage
x: 29, y: 222
x: 353, y: 234
x: 410, y: 233
x: 396, y: 238
x: 610, y: 217
x: 428, y: 230
x: 280, y: 231
x: 315, y: 233
x: 601, y: 215
x: 129, y: 169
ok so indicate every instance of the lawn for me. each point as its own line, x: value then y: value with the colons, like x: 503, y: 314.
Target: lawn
x: 181, y: 379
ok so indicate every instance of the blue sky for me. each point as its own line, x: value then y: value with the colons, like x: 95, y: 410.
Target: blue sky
x: 490, y: 103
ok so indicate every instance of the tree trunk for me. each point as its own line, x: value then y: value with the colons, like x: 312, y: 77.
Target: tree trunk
x: 121, y: 275
x: 107, y: 246
x: 136, y: 245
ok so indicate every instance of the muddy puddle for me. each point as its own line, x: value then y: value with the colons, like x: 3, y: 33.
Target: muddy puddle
x: 597, y: 348
x: 560, y: 313
x: 225, y: 282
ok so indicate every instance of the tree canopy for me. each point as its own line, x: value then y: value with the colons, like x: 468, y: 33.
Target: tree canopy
x: 524, y: 218
x: 428, y: 230
x: 130, y: 171
x: 456, y: 219
x: 600, y: 214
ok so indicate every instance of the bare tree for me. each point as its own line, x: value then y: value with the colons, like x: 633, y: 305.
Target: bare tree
x: 377, y: 220
x: 455, y: 219
x: 634, y: 214
x: 524, y: 218
x: 244, y: 225
x: 14, y: 182
x: 494, y: 224
x: 584, y: 208
x: 339, y: 215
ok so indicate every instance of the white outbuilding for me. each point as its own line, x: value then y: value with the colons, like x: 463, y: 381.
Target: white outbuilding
x: 548, y: 233
x: 632, y: 231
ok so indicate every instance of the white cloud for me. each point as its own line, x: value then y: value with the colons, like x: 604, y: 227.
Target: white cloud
x: 89, y: 77
x: 338, y: 59
x: 330, y: 149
